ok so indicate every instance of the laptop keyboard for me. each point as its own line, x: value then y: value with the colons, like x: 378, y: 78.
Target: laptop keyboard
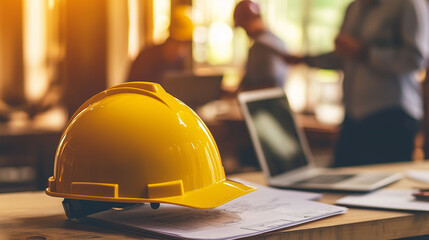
x: 327, y: 179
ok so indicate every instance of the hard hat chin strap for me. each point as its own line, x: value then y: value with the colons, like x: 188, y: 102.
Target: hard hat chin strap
x: 81, y: 208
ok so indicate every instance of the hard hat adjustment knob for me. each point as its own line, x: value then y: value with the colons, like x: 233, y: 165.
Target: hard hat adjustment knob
x: 154, y: 205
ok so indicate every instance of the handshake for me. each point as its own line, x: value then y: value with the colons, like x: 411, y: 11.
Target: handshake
x: 346, y: 47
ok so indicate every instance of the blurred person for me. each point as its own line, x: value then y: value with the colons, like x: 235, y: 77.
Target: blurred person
x: 265, y: 66
x: 380, y: 48
x: 153, y: 62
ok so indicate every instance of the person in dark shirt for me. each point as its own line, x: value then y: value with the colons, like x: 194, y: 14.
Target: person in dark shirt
x: 265, y: 66
x: 153, y: 62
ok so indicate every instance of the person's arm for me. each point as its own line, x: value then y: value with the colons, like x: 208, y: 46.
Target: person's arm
x: 411, y: 54
x: 325, y: 61
x: 330, y: 60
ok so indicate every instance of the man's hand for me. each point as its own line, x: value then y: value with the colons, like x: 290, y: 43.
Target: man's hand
x: 348, y: 47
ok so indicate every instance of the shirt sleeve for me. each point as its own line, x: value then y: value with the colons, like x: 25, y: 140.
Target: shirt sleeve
x: 412, y: 53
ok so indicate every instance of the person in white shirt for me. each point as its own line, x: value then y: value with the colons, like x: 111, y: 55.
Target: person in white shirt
x: 381, y: 47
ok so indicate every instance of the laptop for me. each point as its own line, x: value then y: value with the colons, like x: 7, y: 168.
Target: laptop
x: 283, y: 152
x: 193, y: 89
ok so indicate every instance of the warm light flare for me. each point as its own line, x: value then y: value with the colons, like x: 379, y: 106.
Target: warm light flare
x: 34, y: 45
x: 296, y: 89
x: 220, y: 43
x: 51, y: 4
x: 133, y: 29
x: 161, y: 12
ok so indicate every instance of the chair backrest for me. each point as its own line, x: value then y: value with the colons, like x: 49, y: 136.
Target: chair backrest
x: 194, y: 90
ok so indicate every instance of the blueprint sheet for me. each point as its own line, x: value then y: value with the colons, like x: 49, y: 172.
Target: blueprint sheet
x: 263, y: 210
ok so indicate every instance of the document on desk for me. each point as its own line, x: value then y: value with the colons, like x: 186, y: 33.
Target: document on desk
x: 420, y: 175
x: 399, y: 199
x: 261, y: 211
x: 291, y: 194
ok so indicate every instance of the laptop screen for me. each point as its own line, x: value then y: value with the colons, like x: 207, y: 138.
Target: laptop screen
x: 277, y: 134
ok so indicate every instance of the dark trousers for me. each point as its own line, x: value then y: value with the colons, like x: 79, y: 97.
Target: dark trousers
x: 386, y: 136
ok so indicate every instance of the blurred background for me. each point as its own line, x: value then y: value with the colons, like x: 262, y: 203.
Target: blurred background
x: 55, y: 54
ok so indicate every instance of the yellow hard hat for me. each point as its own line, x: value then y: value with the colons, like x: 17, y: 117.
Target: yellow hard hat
x: 135, y: 143
x: 181, y: 26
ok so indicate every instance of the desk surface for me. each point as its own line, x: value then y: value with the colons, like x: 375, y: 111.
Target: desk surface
x: 31, y: 214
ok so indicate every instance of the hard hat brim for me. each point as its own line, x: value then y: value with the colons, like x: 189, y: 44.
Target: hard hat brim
x: 208, y: 197
x: 214, y: 195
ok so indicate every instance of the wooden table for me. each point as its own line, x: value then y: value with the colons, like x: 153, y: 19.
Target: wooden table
x: 33, y: 215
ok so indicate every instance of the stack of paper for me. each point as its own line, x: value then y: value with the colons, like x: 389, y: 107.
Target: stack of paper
x: 261, y: 211
x: 400, y: 199
x: 419, y: 175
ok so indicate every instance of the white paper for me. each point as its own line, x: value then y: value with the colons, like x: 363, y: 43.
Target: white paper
x: 418, y: 175
x: 401, y: 199
x: 261, y: 211
x: 292, y: 194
